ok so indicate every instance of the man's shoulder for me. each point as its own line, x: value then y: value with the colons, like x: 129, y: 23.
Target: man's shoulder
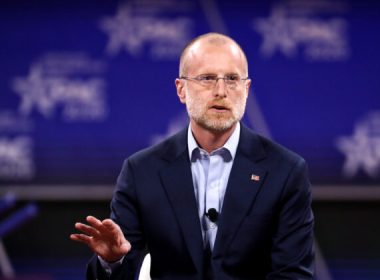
x: 169, y: 147
x: 270, y: 148
x: 278, y: 149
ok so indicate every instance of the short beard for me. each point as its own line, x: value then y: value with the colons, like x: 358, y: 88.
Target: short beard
x: 215, y: 124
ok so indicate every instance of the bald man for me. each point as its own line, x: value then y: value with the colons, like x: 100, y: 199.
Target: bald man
x: 215, y: 201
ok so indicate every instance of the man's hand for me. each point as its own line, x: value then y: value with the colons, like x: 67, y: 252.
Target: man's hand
x: 105, y: 238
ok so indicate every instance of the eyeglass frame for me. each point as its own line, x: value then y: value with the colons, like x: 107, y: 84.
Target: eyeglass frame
x: 215, y: 80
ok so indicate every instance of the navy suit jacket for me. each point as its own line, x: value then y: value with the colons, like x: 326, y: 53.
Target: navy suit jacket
x: 265, y: 228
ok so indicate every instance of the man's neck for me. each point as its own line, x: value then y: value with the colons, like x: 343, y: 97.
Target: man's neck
x: 210, y: 140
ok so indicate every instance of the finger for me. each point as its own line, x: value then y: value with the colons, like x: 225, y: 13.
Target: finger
x: 110, y: 225
x: 96, y: 223
x: 87, y: 229
x: 81, y: 238
x: 113, y: 229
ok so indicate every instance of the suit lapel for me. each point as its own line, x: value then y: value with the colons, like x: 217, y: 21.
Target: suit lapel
x: 245, y: 181
x: 178, y: 184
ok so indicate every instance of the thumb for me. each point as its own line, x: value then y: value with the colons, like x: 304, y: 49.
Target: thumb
x: 125, y: 247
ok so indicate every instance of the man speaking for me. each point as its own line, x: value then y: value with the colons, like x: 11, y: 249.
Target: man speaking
x: 215, y: 201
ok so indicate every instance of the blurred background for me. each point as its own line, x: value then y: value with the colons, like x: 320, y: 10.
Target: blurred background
x: 84, y: 84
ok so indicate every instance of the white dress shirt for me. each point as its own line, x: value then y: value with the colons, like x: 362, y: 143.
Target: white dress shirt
x: 210, y: 172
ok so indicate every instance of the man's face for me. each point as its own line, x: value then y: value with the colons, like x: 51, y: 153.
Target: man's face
x: 219, y: 106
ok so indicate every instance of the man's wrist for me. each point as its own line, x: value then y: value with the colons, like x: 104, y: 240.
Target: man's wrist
x: 109, y: 267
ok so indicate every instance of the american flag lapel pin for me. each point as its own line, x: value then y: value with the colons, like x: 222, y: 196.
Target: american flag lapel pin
x: 255, y: 178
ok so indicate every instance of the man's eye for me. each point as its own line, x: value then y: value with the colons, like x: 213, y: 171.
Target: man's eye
x: 232, y: 78
x: 207, y: 78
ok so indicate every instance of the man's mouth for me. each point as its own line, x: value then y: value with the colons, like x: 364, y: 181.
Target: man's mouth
x: 219, y: 108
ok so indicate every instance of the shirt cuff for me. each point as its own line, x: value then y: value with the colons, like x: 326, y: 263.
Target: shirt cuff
x: 110, y: 267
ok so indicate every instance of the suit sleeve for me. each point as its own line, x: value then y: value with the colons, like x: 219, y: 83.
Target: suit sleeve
x: 292, y: 251
x: 125, y: 212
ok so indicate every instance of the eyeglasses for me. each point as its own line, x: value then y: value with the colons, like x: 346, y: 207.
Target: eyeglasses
x: 231, y: 81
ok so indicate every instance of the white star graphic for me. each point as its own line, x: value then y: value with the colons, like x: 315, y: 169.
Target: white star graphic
x: 362, y: 151
x: 277, y: 34
x: 33, y: 92
x: 122, y: 31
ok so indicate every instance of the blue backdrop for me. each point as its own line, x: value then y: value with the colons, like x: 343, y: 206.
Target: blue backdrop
x: 84, y: 84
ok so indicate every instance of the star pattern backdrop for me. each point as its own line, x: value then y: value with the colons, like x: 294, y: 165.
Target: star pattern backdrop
x: 84, y: 84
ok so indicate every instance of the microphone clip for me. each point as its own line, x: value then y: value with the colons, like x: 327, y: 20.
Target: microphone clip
x: 212, y: 214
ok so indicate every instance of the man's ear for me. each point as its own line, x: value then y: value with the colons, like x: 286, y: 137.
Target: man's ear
x: 247, y: 86
x: 181, y: 92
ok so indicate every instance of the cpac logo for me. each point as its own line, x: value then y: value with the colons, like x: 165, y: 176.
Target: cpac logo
x: 362, y: 149
x: 321, y: 39
x: 16, y: 158
x: 80, y: 99
x: 132, y: 32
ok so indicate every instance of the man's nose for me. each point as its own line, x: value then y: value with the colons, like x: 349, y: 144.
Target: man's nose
x: 220, y: 88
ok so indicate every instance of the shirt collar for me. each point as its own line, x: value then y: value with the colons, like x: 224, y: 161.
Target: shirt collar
x: 230, y: 145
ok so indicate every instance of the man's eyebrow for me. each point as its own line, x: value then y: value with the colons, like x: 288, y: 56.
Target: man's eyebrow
x: 207, y: 74
x: 214, y: 74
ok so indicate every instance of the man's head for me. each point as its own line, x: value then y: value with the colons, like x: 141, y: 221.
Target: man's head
x: 213, y: 82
